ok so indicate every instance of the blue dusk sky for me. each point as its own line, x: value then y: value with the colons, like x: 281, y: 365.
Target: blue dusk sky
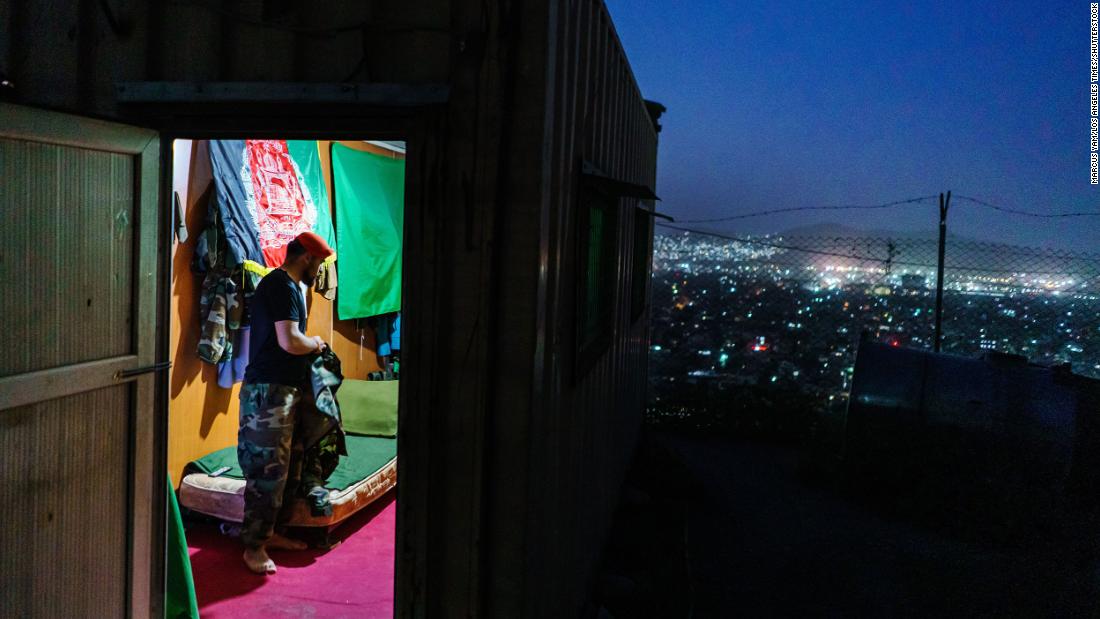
x: 786, y: 104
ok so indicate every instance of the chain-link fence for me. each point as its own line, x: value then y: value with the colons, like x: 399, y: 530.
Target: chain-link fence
x: 1042, y: 304
x: 763, y: 330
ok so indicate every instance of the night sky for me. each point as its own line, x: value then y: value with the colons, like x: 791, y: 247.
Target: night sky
x: 784, y: 104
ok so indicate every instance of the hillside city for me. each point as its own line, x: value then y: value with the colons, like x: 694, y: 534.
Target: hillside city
x: 764, y: 331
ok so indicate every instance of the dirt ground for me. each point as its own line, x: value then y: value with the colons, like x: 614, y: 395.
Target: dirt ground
x: 722, y: 528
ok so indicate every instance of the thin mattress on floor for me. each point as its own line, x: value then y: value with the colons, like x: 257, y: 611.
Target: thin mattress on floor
x: 368, y: 472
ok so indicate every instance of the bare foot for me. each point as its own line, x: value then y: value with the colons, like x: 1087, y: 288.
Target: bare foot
x: 280, y: 542
x: 258, y: 561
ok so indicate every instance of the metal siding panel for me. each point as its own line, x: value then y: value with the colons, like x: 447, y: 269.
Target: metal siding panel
x: 563, y: 464
x: 627, y: 129
x: 611, y: 129
x: 613, y: 118
x: 572, y: 80
x: 587, y: 78
x: 599, y: 58
x: 598, y: 417
x: 71, y: 282
x: 611, y: 89
x: 45, y: 53
x: 57, y: 464
x: 636, y: 140
x: 195, y: 56
x: 600, y: 129
x: 612, y: 104
x: 599, y: 80
x: 624, y: 123
x: 635, y: 162
x: 620, y: 123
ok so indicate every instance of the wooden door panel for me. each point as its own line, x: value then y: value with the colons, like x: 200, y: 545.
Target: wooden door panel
x: 79, y: 266
x: 68, y: 257
x: 64, y: 506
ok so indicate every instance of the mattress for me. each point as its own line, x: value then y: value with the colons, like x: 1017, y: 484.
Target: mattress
x: 367, y: 473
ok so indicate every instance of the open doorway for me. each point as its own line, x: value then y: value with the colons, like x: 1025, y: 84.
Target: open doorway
x: 238, y: 204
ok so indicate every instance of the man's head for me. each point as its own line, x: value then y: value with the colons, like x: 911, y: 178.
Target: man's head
x: 304, y: 256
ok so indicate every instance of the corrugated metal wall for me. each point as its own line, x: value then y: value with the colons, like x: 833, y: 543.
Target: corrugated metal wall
x: 585, y: 431
x: 70, y: 55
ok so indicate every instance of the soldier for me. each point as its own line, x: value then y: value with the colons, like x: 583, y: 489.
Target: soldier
x: 276, y: 386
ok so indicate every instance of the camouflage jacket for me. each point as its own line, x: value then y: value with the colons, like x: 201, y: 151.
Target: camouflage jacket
x: 226, y: 290
x: 323, y: 418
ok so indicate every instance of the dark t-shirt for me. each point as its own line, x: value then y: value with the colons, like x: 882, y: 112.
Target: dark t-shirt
x: 277, y: 298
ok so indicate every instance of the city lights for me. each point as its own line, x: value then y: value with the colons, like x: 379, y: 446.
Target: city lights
x: 782, y: 325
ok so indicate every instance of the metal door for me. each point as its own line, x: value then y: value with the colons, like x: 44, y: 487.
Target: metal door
x: 78, y: 270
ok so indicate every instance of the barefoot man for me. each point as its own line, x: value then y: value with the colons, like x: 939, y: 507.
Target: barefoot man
x: 275, y: 386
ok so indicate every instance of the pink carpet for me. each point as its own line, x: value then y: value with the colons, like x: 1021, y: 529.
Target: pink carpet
x: 354, y: 579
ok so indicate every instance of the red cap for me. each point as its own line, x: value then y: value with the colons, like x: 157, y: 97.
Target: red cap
x: 315, y: 245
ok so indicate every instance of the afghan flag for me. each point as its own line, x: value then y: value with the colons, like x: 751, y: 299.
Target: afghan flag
x: 269, y: 192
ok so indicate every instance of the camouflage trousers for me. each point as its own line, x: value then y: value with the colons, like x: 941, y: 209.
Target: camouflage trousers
x: 276, y: 467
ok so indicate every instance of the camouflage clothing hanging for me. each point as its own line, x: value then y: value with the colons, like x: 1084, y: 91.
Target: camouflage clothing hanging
x: 226, y: 289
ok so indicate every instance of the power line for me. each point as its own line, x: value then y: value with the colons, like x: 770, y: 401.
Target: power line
x: 840, y: 207
x: 886, y: 205
x: 1013, y: 211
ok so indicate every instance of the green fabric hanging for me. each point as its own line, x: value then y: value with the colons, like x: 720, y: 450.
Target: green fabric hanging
x: 370, y: 213
x: 179, y: 590
x: 305, y: 155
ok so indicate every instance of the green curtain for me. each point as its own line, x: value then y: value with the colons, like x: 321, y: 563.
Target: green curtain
x: 305, y: 156
x: 179, y: 591
x: 370, y: 213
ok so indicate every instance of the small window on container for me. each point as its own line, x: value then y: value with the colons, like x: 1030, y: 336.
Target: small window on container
x: 598, y: 224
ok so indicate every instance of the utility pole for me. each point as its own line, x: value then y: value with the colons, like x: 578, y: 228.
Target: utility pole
x: 944, y: 205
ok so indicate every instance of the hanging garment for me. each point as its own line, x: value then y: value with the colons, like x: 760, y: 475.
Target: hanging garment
x: 231, y: 370
x: 387, y: 329
x: 214, y: 340
x: 223, y: 302
x: 322, y: 419
x: 325, y: 377
x: 370, y: 211
x: 326, y: 281
x: 232, y: 200
x: 395, y: 333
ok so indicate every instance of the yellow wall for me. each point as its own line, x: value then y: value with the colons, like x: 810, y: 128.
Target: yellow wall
x: 202, y: 417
